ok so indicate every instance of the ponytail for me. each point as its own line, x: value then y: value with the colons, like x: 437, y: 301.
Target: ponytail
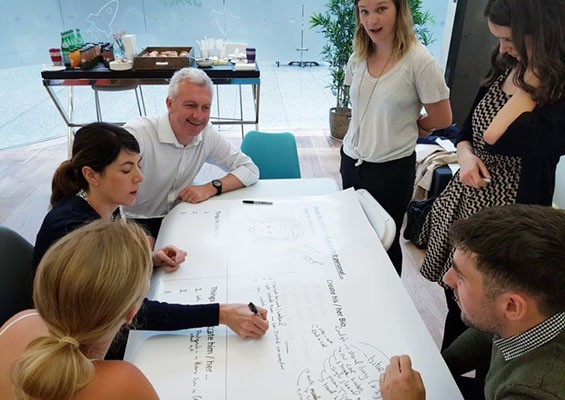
x: 66, y: 181
x: 86, y: 285
x: 52, y: 369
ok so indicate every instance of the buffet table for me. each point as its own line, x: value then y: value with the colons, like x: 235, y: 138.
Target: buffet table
x: 102, y: 76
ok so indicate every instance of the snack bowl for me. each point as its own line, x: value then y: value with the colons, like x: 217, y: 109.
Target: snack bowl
x: 204, y: 62
x: 120, y: 65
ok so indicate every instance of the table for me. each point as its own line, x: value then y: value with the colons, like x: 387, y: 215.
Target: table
x: 337, y: 309
x: 102, y: 76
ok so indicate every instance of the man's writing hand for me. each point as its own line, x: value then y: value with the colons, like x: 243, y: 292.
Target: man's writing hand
x: 401, y: 382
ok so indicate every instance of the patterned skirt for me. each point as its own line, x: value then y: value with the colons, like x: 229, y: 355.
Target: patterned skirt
x: 459, y: 201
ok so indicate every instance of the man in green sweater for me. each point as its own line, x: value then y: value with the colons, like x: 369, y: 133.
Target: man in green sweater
x: 508, y: 277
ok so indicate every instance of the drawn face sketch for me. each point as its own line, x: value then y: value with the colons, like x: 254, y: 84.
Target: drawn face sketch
x: 101, y: 22
x: 278, y: 229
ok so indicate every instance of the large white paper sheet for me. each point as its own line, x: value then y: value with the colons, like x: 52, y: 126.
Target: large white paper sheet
x: 337, y: 310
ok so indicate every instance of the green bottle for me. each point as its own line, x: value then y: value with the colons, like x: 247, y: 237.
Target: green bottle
x: 72, y: 39
x: 79, y: 37
x: 65, y: 48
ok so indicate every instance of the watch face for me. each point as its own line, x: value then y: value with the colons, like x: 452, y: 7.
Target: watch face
x: 218, y: 185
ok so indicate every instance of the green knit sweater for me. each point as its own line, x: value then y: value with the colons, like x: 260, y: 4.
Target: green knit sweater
x: 537, y: 374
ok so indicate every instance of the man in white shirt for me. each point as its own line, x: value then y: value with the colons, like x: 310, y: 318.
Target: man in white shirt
x: 175, y: 146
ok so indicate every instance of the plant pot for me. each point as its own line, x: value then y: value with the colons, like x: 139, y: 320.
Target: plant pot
x: 339, y: 121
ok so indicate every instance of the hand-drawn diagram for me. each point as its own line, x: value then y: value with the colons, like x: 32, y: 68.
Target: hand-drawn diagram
x: 286, y: 229
x: 327, y: 306
x: 350, y: 372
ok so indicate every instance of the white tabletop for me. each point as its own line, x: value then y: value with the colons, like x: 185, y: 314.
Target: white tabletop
x: 337, y: 309
x: 282, y: 187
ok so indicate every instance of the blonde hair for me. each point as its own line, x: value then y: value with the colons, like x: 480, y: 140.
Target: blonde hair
x: 86, y: 285
x: 404, y: 36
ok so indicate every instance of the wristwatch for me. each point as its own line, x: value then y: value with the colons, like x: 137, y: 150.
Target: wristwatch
x: 218, y: 185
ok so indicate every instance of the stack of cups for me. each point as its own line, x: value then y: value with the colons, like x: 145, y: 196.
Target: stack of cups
x: 220, y: 49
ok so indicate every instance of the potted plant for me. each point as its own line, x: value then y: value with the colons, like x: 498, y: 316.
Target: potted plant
x: 338, y: 24
x: 422, y: 19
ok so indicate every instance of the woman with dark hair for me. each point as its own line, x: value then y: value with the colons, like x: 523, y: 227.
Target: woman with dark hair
x: 102, y: 175
x: 512, y: 140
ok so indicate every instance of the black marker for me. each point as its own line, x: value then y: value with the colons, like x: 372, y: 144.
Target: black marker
x: 254, y: 310
x: 267, y: 203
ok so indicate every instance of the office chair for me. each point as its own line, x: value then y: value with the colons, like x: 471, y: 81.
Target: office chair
x: 274, y: 153
x: 380, y: 220
x: 118, y: 88
x: 15, y: 274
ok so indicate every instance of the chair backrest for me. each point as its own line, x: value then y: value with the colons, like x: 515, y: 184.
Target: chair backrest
x: 16, y: 274
x: 274, y: 153
x: 380, y: 220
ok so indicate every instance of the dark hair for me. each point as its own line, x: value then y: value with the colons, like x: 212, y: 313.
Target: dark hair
x: 518, y: 247
x: 96, y: 146
x: 544, y: 22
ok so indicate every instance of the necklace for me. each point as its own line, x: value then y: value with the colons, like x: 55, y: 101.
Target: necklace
x: 83, y: 195
x: 360, y: 120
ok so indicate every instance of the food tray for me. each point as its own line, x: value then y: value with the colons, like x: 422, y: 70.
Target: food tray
x: 141, y: 62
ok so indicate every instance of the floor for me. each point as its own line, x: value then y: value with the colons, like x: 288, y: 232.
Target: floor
x: 292, y: 99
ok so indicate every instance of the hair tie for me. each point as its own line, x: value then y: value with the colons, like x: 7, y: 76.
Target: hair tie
x: 69, y: 340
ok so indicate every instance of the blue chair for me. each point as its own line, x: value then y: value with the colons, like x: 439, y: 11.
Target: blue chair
x: 274, y: 153
x: 16, y: 274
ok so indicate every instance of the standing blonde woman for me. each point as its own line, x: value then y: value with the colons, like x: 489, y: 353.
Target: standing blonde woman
x: 391, y: 76
x: 87, y: 286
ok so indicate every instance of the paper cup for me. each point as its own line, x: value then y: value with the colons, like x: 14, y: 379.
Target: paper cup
x: 250, y: 54
x: 56, y: 57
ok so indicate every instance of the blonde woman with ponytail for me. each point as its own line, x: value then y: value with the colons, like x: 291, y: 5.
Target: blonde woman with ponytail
x: 88, y: 284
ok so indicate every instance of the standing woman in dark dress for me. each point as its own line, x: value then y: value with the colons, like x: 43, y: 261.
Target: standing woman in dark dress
x: 512, y: 140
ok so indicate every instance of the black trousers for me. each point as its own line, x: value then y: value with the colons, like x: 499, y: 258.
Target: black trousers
x: 390, y: 183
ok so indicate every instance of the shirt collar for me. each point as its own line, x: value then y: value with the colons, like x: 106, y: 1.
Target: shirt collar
x: 518, y: 345
x: 166, y: 135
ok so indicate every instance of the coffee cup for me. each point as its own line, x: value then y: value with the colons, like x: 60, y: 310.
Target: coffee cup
x: 56, y: 57
x: 250, y: 54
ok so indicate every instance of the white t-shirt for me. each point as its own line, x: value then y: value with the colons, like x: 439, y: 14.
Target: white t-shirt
x: 169, y: 166
x: 388, y: 131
